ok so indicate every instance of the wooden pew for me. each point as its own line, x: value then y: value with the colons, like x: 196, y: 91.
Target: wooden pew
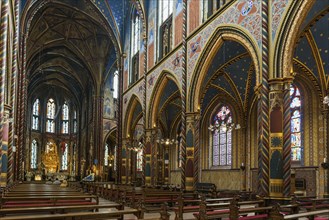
x: 275, y: 214
x: 188, y: 205
x: 233, y: 210
x: 33, y: 201
x: 320, y: 203
x: 77, y: 215
x: 58, y: 209
x: 206, y: 189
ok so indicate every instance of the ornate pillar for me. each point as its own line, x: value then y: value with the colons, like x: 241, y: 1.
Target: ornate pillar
x: 98, y: 133
x: 119, y: 120
x: 190, y: 169
x: 3, y: 63
x: 196, y: 176
x: 184, y: 79
x: 154, y: 151
x: 124, y: 163
x: 286, y: 138
x: 148, y: 156
x: 263, y: 110
x: 12, y: 141
x: 276, y: 138
x: 166, y: 166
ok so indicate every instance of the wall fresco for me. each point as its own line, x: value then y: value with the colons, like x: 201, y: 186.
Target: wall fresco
x: 278, y: 11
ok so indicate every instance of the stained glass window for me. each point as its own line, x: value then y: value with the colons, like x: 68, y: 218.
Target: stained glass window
x: 34, y: 158
x: 35, y: 117
x: 215, y: 148
x: 165, y: 10
x: 222, y: 137
x: 115, y: 84
x: 64, y: 156
x: 135, y: 46
x: 139, y: 158
x: 51, y: 108
x: 75, y: 122
x: 106, y: 155
x: 115, y: 157
x: 295, y: 107
x: 65, y: 118
x: 135, y: 42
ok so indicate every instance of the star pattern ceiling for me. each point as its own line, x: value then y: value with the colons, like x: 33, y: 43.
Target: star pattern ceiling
x: 312, y: 49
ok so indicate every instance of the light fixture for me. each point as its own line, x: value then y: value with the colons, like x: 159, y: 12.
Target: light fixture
x: 326, y: 100
x: 166, y: 141
x: 224, y: 127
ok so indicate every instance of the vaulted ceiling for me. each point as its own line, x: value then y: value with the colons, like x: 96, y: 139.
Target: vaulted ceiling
x: 311, y: 54
x: 230, y: 76
x: 69, y: 45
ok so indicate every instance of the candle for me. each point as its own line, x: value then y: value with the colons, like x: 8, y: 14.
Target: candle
x: 242, y: 164
x: 325, y: 160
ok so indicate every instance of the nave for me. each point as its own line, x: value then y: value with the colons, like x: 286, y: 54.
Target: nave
x: 101, y: 200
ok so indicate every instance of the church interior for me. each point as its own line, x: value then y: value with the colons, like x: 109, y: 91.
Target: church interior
x: 164, y: 109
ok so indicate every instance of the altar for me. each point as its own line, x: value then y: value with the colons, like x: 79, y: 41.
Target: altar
x: 50, y: 159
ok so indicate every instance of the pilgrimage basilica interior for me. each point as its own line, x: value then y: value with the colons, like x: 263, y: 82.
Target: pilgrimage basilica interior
x: 233, y: 93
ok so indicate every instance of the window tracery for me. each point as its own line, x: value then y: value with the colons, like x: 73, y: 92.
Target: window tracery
x: 222, y: 137
x: 35, y: 114
x: 296, y: 120
x: 50, y: 124
x: 34, y: 154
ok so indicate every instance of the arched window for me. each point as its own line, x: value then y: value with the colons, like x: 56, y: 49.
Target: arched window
x: 295, y: 107
x: 34, y: 158
x: 35, y: 113
x: 222, y: 137
x: 65, y: 118
x: 165, y: 10
x: 115, y: 84
x: 75, y: 122
x: 135, y: 44
x: 64, y: 156
x: 139, y: 158
x: 165, y: 26
x: 51, y: 108
x: 106, y: 155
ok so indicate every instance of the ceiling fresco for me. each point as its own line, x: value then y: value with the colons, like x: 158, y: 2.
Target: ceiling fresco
x: 312, y: 48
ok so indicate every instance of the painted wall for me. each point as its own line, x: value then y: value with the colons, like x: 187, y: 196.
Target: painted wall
x: 223, y: 179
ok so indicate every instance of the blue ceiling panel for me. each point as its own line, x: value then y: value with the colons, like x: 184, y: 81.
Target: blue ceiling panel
x: 210, y: 94
x: 222, y: 82
x: 319, y: 5
x: 137, y: 111
x: 320, y: 33
x: 170, y: 88
x: 229, y: 50
x: 303, y: 52
x: 238, y: 73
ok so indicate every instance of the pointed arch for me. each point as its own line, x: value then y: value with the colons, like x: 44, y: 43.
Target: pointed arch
x: 133, y: 103
x: 283, y: 58
x: 221, y: 34
x: 165, y: 77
